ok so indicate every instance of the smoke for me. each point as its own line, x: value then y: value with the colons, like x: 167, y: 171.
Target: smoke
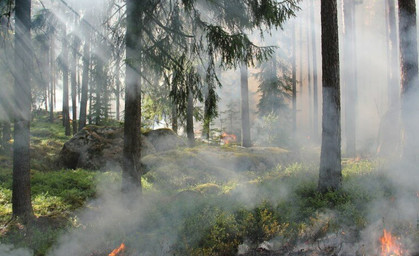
x: 9, y: 250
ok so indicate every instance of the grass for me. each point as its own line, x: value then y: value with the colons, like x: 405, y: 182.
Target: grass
x: 198, y: 204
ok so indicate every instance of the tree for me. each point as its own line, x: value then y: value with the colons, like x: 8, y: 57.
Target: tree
x: 330, y: 173
x: 409, y: 77
x: 64, y: 64
x: 85, y: 83
x: 350, y: 82
x: 315, y: 86
x: 131, y: 169
x: 21, y: 194
x: 73, y: 69
x: 245, y: 116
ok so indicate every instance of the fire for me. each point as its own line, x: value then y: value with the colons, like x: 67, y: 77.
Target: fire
x: 115, y: 252
x: 228, y: 138
x: 390, y: 246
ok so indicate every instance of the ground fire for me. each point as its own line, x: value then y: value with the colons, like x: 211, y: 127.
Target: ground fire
x: 390, y: 245
x: 228, y: 138
x: 118, y: 250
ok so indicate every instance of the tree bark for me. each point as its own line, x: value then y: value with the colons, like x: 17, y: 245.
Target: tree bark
x: 66, y: 112
x: 132, y: 170
x: 21, y: 194
x: 330, y: 173
x: 85, y: 84
x: 409, y: 78
x: 245, y: 118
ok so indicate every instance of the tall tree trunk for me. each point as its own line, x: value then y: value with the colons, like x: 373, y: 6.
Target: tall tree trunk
x: 66, y: 112
x: 409, y: 78
x: 90, y: 95
x: 350, y: 76
x: 294, y: 82
x: 21, y: 194
x: 85, y: 84
x: 73, y: 69
x: 245, y: 115
x: 132, y: 170
x: 330, y: 173
x: 310, y: 97
x: 315, y: 79
x: 117, y: 84
x: 207, y: 118
x: 174, y: 109
x: 98, y: 89
x: 189, y: 117
x: 52, y: 78
x: 393, y: 71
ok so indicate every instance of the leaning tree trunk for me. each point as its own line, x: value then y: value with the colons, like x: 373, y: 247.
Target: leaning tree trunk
x: 350, y: 77
x: 85, y: 84
x: 131, y: 168
x: 245, y: 118
x: 21, y: 194
x: 393, y: 70
x: 409, y: 78
x: 66, y: 112
x: 330, y: 173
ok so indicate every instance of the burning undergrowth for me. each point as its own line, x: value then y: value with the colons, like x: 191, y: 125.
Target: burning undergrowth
x: 277, y: 213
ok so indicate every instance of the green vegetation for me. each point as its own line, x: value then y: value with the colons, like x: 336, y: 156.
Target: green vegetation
x: 198, y: 203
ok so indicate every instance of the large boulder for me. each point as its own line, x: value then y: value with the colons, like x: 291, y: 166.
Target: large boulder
x: 97, y: 147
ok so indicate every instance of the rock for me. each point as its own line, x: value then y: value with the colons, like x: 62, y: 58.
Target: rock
x: 97, y: 147
x: 164, y: 139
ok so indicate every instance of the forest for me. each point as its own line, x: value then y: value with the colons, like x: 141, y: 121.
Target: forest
x: 209, y: 128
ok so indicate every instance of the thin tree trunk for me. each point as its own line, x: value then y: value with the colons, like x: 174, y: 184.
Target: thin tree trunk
x: 52, y: 79
x: 350, y: 77
x: 315, y: 79
x: 207, y: 119
x: 330, y: 173
x: 21, y: 194
x: 245, y: 118
x: 132, y: 170
x: 66, y: 114
x: 174, y: 110
x: 73, y: 69
x: 310, y: 97
x: 394, y: 81
x: 99, y: 84
x: 294, y: 82
x: 189, y: 117
x: 409, y: 78
x: 118, y: 85
x: 85, y: 84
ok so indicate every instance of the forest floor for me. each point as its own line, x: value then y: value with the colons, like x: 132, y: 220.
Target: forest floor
x: 197, y: 203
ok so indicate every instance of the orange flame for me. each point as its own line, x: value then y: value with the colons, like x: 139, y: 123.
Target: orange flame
x: 228, y: 138
x: 390, y: 246
x: 115, y: 252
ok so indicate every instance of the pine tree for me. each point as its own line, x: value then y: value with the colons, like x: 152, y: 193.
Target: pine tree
x: 21, y: 189
x: 330, y: 173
